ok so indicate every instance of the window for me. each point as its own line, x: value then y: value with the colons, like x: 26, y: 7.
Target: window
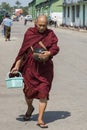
x: 68, y: 12
x: 64, y: 11
x: 77, y: 11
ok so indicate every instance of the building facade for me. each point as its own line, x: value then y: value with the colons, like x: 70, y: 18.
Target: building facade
x: 75, y: 13
x: 32, y: 9
x: 37, y: 7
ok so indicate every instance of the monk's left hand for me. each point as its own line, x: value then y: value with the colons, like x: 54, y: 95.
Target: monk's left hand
x: 45, y: 56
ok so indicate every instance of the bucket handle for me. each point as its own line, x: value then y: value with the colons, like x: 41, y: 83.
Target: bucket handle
x: 7, y: 76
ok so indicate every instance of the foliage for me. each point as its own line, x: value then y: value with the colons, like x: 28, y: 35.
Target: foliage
x: 5, y: 6
x: 11, y: 9
x: 25, y: 10
x: 18, y: 3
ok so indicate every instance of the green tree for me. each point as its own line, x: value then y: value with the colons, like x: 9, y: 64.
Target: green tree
x: 18, y: 3
x: 6, y: 6
x: 25, y: 10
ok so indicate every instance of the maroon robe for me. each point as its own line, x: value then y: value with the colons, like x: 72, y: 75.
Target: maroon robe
x: 38, y: 76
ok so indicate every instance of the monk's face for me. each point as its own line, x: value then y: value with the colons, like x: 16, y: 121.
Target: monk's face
x: 41, y: 24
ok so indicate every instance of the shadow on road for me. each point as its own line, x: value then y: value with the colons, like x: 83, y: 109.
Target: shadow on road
x: 49, y: 116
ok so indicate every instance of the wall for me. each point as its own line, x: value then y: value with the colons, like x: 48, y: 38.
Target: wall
x: 56, y: 6
x: 37, y: 7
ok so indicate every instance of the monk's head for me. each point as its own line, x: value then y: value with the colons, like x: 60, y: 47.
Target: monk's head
x: 41, y: 23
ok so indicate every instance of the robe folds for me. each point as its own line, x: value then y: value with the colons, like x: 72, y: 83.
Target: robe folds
x: 37, y: 76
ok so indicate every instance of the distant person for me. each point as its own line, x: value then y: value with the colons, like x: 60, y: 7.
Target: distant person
x: 55, y: 21
x: 37, y: 72
x: 25, y: 20
x: 21, y: 17
x: 7, y: 22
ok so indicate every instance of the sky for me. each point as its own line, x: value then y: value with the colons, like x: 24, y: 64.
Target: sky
x: 12, y: 2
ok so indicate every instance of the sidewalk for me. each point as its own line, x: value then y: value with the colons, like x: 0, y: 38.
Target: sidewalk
x: 74, y: 29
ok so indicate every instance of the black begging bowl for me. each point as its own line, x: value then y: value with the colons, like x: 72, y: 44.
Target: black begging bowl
x: 36, y: 53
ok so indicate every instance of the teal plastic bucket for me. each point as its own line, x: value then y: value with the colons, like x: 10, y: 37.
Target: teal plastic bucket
x: 14, y: 82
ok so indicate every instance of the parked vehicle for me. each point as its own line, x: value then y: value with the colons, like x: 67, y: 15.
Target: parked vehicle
x: 50, y: 21
x: 55, y: 17
x: 1, y: 18
x: 2, y: 14
x: 28, y: 17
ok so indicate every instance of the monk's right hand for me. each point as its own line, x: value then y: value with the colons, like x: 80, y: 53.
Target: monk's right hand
x: 16, y: 67
x: 14, y: 70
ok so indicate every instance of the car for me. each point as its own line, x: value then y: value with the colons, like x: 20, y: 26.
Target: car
x: 28, y: 17
x: 50, y: 21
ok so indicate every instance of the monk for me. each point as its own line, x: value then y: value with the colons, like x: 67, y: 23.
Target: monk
x: 38, y: 75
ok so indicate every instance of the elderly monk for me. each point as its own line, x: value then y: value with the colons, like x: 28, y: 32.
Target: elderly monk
x: 38, y: 75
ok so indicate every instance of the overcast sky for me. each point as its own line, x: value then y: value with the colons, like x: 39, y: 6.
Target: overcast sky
x: 12, y: 2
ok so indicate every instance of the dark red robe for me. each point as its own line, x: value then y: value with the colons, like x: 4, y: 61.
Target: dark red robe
x: 38, y: 76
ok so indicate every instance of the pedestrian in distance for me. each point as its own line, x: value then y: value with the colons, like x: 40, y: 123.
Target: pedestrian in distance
x: 7, y: 23
x: 55, y: 21
x: 25, y: 20
x: 37, y: 68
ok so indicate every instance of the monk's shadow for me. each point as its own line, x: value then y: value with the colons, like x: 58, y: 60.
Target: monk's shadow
x: 49, y: 116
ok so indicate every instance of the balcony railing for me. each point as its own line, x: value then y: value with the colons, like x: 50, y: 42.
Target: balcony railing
x: 72, y: 1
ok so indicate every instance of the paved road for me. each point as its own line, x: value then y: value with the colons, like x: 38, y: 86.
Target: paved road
x: 67, y: 107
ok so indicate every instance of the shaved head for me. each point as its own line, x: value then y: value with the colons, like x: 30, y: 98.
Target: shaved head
x: 41, y: 23
x: 42, y: 18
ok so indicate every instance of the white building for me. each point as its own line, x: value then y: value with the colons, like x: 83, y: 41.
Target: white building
x: 75, y: 13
